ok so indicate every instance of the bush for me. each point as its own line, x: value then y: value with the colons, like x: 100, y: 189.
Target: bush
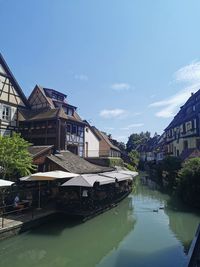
x: 129, y: 167
x: 112, y: 162
x: 189, y: 182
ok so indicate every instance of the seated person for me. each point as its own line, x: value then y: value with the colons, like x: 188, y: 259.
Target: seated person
x: 17, y: 204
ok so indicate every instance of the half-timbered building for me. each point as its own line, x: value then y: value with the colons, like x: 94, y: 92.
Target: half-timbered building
x: 12, y: 100
x: 53, y: 121
x: 183, y: 133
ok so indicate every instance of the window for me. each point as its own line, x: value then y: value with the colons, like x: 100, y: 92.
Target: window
x: 68, y: 128
x: 6, y: 113
x: 198, y: 143
x: 194, y: 108
x: 188, y: 126
x: 70, y: 112
x: 80, y: 131
x: 185, y: 144
x: 74, y: 129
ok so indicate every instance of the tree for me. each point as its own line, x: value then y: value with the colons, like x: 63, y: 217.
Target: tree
x: 134, y: 158
x: 189, y: 182
x: 15, y: 160
x: 137, y: 139
x: 170, y: 167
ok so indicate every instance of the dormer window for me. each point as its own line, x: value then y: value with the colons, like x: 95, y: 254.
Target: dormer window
x: 6, y: 113
x: 70, y: 112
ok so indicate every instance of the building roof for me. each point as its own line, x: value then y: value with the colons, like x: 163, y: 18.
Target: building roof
x: 92, y: 129
x: 35, y: 151
x: 73, y: 163
x: 183, y: 115
x: 12, y: 79
x: 190, y: 153
x: 104, y: 137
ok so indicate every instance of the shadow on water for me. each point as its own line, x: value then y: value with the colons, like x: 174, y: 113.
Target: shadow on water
x: 64, y: 242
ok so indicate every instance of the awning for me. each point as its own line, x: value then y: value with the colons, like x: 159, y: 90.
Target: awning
x: 133, y: 174
x: 88, y: 180
x: 49, y: 176
x: 117, y: 175
x: 5, y: 183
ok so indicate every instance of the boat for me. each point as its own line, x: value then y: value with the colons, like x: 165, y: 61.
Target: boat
x: 88, y: 195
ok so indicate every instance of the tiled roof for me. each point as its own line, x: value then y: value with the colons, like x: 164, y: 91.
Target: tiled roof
x: 33, y: 115
x: 105, y: 138
x: 37, y: 150
x: 73, y: 163
x: 13, y: 80
x: 182, y: 116
x: 190, y: 153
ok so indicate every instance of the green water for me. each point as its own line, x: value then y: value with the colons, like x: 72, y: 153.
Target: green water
x: 127, y: 236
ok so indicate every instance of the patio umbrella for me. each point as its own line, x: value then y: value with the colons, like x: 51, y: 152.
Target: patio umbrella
x: 117, y: 175
x: 88, y: 180
x: 133, y: 174
x: 5, y: 183
x: 47, y: 176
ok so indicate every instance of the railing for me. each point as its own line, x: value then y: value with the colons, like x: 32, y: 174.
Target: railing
x: 14, y: 211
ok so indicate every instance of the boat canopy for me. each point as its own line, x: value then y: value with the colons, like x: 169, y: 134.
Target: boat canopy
x: 5, y: 183
x: 88, y: 180
x: 49, y: 176
x: 117, y: 175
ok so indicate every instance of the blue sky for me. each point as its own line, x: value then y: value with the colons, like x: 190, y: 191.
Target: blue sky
x: 128, y: 65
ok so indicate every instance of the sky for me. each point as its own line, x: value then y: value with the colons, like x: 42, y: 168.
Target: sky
x: 128, y: 65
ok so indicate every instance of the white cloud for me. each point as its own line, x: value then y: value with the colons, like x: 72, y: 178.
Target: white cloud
x: 131, y: 126
x: 113, y: 113
x: 120, y: 86
x: 189, y: 75
x: 81, y: 77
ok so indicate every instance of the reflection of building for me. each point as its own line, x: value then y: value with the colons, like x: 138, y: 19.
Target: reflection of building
x: 12, y: 100
x: 184, y: 225
x: 52, y: 121
x: 183, y: 133
x: 87, y: 244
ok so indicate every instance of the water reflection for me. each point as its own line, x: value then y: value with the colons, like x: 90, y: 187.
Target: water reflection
x: 70, y: 245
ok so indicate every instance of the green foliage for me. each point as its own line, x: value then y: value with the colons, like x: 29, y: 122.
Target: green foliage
x: 136, y: 139
x: 15, y: 159
x: 189, y: 182
x: 170, y: 167
x: 115, y: 162
x: 129, y: 167
x: 134, y: 158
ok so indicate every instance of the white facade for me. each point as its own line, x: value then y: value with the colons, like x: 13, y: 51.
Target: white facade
x: 91, y: 144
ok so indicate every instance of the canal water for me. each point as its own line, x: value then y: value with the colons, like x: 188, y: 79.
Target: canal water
x: 135, y: 234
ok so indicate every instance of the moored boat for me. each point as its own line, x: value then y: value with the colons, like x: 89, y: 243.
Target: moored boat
x: 88, y: 195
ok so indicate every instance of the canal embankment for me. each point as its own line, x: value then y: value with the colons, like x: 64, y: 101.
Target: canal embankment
x: 19, y: 222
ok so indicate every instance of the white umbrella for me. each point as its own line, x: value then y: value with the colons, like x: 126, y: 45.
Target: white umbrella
x: 48, y: 176
x: 88, y: 180
x: 116, y: 175
x: 133, y: 174
x: 5, y: 183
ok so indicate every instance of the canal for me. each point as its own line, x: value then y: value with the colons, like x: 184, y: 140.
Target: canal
x: 136, y: 233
